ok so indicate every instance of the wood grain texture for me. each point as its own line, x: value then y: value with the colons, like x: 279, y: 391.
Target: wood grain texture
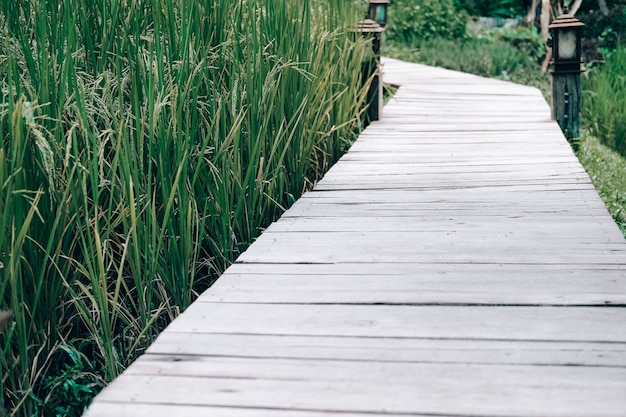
x: 457, y: 261
x: 104, y: 409
x: 597, y: 324
x: 400, y: 350
x: 435, y: 389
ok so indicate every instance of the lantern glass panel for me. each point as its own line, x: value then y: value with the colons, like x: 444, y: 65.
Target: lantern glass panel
x: 379, y: 13
x: 567, y: 44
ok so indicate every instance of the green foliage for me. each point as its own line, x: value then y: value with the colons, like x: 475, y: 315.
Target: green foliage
x: 607, y: 170
x: 527, y: 40
x: 417, y: 21
x: 601, y: 33
x: 489, y: 56
x: 143, y: 146
x: 492, y: 8
x: 72, y: 389
x: 604, y: 101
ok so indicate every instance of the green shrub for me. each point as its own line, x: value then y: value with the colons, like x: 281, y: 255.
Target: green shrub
x: 602, y: 33
x: 497, y: 8
x: 527, y: 40
x: 486, y: 57
x: 607, y: 170
x: 416, y: 21
x: 604, y: 101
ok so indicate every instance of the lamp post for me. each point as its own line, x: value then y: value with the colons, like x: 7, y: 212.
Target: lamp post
x: 371, y: 68
x: 377, y: 11
x: 566, y: 62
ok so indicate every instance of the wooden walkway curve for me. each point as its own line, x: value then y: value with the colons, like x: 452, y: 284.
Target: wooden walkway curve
x: 456, y: 262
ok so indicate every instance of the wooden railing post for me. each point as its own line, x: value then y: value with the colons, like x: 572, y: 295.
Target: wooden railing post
x: 567, y: 103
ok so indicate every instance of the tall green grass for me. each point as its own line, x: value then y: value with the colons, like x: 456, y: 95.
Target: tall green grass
x: 144, y: 145
x: 604, y: 103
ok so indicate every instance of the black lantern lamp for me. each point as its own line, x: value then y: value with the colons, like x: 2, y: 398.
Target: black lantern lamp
x: 370, y: 68
x: 566, y: 63
x: 566, y: 43
x: 378, y: 11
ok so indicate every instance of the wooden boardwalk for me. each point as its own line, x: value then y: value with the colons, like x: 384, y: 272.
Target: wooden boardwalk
x: 456, y: 262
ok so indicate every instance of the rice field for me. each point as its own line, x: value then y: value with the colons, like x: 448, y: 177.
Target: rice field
x: 145, y: 144
x: 604, y: 105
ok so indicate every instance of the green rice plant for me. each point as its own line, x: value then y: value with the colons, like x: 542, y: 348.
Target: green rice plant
x: 144, y: 145
x: 604, y: 101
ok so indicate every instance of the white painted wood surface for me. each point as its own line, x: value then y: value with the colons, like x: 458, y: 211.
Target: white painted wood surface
x: 456, y: 262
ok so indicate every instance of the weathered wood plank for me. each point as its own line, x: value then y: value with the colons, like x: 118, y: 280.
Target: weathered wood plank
x: 616, y: 271
x: 522, y: 227
x: 364, y: 388
x: 106, y: 409
x: 539, y: 193
x: 585, y: 324
x: 400, y: 350
x: 411, y: 247
x: 487, y: 286
x: 435, y: 167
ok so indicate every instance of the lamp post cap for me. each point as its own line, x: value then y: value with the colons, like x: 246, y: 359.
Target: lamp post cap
x: 369, y: 26
x: 379, y: 1
x: 565, y: 20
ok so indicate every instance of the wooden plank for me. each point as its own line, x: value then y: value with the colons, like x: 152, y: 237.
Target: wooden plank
x: 478, y: 127
x: 401, y: 350
x: 400, y: 169
x: 503, y: 119
x: 523, y: 228
x: 454, y: 286
x: 448, y: 184
x: 441, y: 157
x: 513, y: 162
x: 461, y: 227
x: 108, y: 409
x: 539, y: 193
x: 616, y: 271
x: 410, y: 247
x: 584, y: 324
x: 390, y: 185
x: 339, y: 387
x: 454, y: 213
x: 394, y: 180
x: 317, y: 369
x: 515, y: 148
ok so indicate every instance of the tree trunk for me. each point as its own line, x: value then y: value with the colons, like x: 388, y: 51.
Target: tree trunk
x: 532, y: 12
x: 578, y: 3
x: 545, y: 19
x: 603, y: 8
